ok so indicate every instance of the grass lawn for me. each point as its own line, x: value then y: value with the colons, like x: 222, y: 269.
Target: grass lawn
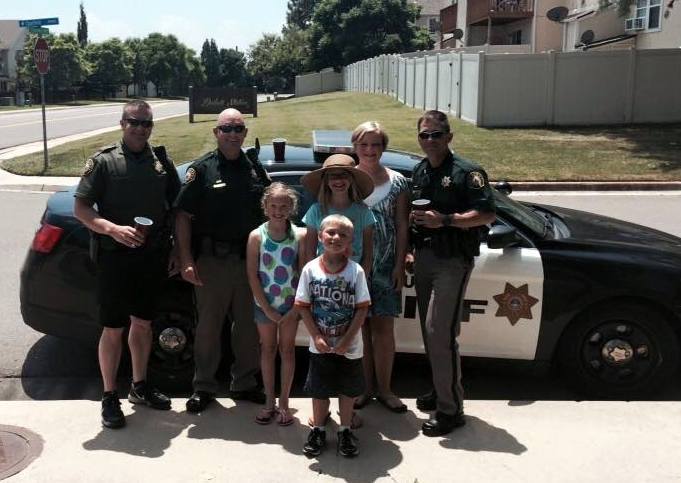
x: 631, y: 153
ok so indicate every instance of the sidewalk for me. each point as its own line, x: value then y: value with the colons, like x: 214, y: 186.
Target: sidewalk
x: 505, y: 441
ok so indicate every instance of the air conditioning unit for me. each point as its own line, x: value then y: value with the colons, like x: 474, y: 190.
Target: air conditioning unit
x: 638, y: 23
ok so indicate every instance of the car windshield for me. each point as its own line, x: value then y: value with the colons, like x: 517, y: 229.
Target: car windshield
x: 523, y: 214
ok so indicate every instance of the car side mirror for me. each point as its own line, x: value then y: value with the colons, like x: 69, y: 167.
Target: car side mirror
x: 504, y: 187
x: 502, y: 236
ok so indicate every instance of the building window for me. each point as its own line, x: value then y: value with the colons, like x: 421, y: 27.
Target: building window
x: 434, y: 25
x: 516, y: 38
x: 649, y: 10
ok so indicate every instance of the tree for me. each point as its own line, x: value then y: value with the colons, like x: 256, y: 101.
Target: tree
x: 82, y: 27
x: 138, y: 67
x: 233, y: 71
x: 275, y: 60
x: 299, y: 13
x: 210, y: 59
x: 345, y: 31
x: 112, y: 66
x: 69, y: 66
x: 169, y: 63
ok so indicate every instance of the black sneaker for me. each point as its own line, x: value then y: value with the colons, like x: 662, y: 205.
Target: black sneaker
x: 199, y: 401
x: 316, y: 441
x: 347, y: 443
x: 112, y: 416
x: 254, y: 395
x: 142, y: 393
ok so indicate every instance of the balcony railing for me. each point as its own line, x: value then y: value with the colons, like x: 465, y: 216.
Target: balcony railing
x: 480, y: 10
x: 448, y: 19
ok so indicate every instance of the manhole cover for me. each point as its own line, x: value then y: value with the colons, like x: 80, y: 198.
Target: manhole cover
x: 18, y: 447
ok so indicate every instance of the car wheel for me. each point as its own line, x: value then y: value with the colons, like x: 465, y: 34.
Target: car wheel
x: 171, y: 362
x: 625, y: 351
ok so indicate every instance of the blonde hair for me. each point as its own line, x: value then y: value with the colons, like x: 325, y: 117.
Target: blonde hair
x: 279, y: 187
x: 324, y: 194
x: 369, y: 127
x: 340, y: 220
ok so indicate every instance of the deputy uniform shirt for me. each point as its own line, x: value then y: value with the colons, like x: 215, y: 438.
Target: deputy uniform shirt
x: 223, y: 196
x: 125, y: 184
x: 456, y: 186
x: 333, y: 299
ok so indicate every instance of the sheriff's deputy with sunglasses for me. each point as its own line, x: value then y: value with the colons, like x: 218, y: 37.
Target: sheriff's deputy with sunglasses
x: 446, y: 240
x: 219, y: 205
x: 127, y: 180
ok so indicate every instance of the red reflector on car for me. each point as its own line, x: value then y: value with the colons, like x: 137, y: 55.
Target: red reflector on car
x: 46, y: 238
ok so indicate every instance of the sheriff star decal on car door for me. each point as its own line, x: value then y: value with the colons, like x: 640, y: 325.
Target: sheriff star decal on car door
x: 515, y: 303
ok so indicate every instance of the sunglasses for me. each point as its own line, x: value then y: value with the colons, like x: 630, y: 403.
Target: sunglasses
x: 136, y: 122
x: 431, y: 135
x: 228, y: 128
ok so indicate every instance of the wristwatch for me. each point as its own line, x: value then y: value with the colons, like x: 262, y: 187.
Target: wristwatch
x: 446, y: 221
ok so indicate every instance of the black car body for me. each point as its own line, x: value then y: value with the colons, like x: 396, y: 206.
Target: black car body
x: 598, y: 296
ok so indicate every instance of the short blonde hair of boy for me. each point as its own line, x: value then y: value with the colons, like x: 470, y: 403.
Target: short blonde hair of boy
x: 369, y: 127
x: 340, y: 220
x: 276, y: 188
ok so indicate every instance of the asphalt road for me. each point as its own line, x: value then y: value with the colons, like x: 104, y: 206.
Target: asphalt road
x: 17, y: 128
x: 33, y: 366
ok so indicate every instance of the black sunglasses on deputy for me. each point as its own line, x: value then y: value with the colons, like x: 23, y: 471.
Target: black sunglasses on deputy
x: 136, y: 122
x: 431, y: 135
x: 228, y: 128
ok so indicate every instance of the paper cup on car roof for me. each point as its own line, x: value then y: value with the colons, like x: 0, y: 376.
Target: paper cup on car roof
x: 279, y: 146
x: 143, y: 225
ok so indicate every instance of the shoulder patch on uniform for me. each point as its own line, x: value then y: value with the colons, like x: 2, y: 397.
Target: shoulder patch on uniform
x: 158, y: 167
x: 89, y: 166
x: 190, y: 175
x: 476, y: 180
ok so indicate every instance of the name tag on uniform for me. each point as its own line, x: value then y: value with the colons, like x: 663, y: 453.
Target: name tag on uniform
x: 219, y: 184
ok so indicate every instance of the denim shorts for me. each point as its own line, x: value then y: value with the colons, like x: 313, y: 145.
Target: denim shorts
x: 260, y: 317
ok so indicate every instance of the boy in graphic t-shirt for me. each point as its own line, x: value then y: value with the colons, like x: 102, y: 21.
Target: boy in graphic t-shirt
x: 333, y: 300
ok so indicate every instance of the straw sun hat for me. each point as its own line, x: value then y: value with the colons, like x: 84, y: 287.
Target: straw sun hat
x: 313, y: 180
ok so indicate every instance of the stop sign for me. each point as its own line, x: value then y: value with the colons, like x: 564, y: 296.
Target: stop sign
x: 41, y: 56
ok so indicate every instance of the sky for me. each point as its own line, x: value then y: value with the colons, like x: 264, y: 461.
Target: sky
x: 232, y: 23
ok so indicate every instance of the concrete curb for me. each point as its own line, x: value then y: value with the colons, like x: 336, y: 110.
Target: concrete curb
x: 60, y: 108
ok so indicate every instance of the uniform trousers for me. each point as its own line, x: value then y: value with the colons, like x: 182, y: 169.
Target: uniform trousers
x: 225, y: 295
x: 440, y: 287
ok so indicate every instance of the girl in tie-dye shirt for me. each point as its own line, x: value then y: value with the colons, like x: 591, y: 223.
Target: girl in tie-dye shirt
x: 273, y: 267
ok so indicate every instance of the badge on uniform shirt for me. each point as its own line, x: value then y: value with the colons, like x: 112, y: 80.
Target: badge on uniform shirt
x: 476, y: 180
x: 446, y: 181
x: 158, y: 167
x: 190, y: 175
x: 89, y: 166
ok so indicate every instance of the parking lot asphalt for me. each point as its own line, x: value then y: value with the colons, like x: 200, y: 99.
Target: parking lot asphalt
x: 509, y: 441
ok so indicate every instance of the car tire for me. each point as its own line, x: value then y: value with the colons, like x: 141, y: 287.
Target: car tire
x: 619, y: 351
x: 172, y: 370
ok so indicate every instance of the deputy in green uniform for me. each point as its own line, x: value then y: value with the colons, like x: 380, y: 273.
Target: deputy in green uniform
x: 127, y: 180
x: 218, y: 206
x: 447, y: 239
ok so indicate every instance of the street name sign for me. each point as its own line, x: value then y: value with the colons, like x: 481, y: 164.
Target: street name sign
x: 39, y: 30
x: 39, y: 22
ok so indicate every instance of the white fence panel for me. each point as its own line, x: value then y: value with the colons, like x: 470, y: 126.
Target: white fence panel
x: 431, y: 81
x: 590, y: 89
x: 420, y: 83
x: 409, y: 90
x: 444, y: 83
x: 469, y: 87
x: 515, y: 90
x: 657, y: 84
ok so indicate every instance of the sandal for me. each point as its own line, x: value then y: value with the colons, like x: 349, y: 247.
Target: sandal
x: 266, y: 415
x: 284, y: 418
x: 362, y: 401
x: 392, y: 403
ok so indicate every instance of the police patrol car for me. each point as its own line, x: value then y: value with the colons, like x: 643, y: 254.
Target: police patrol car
x: 599, y: 297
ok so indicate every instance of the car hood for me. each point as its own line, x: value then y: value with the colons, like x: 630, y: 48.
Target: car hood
x: 592, y: 229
